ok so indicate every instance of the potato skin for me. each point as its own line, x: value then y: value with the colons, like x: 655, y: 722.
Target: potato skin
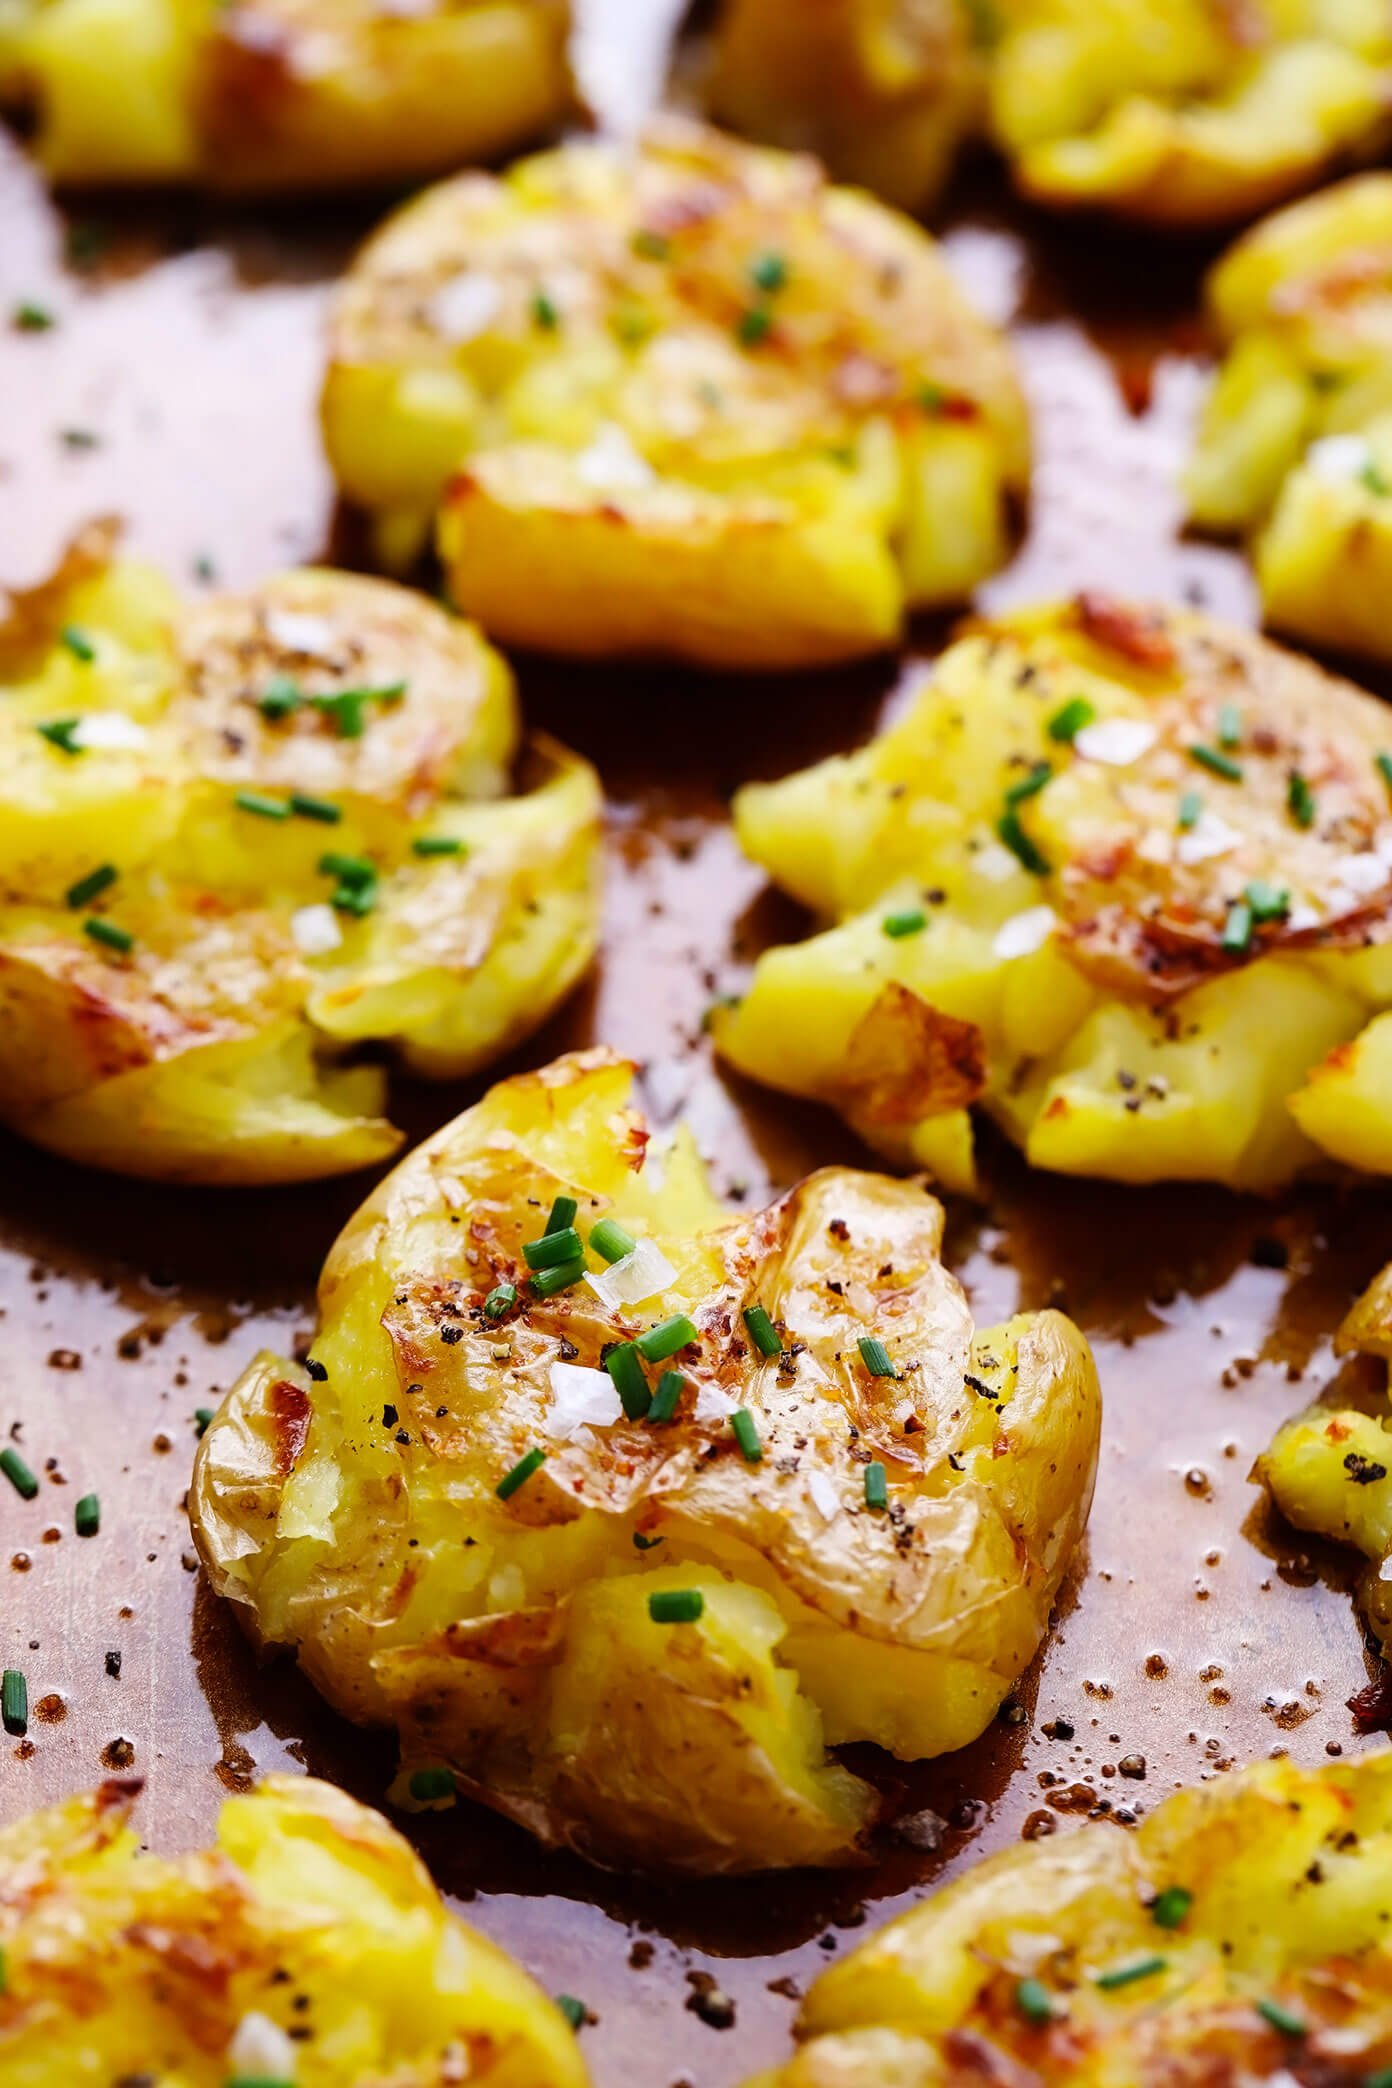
x: 269, y: 95
x: 352, y: 1514
x: 210, y: 1049
x: 310, y: 1914
x: 679, y: 398
x: 1285, y: 1877
x: 1090, y: 985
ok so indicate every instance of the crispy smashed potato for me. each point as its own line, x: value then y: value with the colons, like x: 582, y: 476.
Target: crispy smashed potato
x: 309, y: 1945
x: 883, y: 91
x: 1240, y: 1934
x: 1122, y: 876
x: 270, y: 94
x: 630, y: 1606
x: 242, y: 838
x: 1187, y: 112
x: 1295, y: 447
x: 678, y: 398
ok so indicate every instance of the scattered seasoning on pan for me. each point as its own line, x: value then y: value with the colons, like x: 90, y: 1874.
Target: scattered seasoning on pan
x: 1020, y: 845
x: 29, y: 317
x: 14, y: 1703
x: 1300, y: 800
x: 437, y: 845
x: 667, y: 1397
x: 1169, y: 1907
x: 1032, y: 2000
x: 59, y: 733
x: 666, y: 1338
x: 1068, y: 722
x: 876, y: 1485
x: 625, y: 1367
x: 78, y: 644
x: 610, y: 1242
x: 1190, y: 811
x: 519, y: 1475
x: 87, y: 1516
x: 106, y: 932
x: 912, y: 921
x: 263, y: 806
x: 201, y: 1418
x: 1217, y: 763
x: 545, y: 313
x: 91, y: 886
x: 553, y: 1249
x: 1127, y: 1975
x: 549, y: 1283
x: 280, y: 697
x: 676, y: 1605
x: 18, y: 1473
x: 1237, y: 929
x: 575, y: 2012
x: 761, y: 1331
x: 753, y: 326
x: 1030, y: 785
x: 745, y: 1431
x: 304, y: 806
x: 875, y: 1356
x: 430, y: 1785
x: 500, y: 1301
x: 1268, y: 902
x: 1281, y: 2019
x: 1230, y: 726
x: 563, y: 1212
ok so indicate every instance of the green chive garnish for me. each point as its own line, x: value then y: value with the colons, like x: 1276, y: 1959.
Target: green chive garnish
x: 768, y: 272
x: 625, y: 1367
x: 876, y: 1485
x: 258, y: 2081
x: 14, y: 1703
x: 1375, y: 478
x: 279, y: 698
x: 552, y: 1249
x: 666, y: 1338
x: 653, y: 246
x: 430, y: 1785
x: 18, y: 1473
x: 1216, y: 763
x: 562, y: 1216
x: 911, y: 922
x: 1127, y: 1975
x: 548, y: 1283
x: 1237, y: 929
x: 544, y: 312
x: 1384, y: 767
x: 78, y: 644
x: 1020, y: 845
x: 264, y: 807
x: 87, y: 1516
x: 1268, y: 902
x: 347, y: 707
x: 875, y: 1356
x: 1381, y: 2079
x: 59, y: 733
x: 1030, y: 785
x: 437, y: 845
x: 1032, y: 2000
x: 356, y: 890
x: 753, y: 326
x: 744, y: 1429
x: 91, y: 886
x: 1300, y: 800
x: 1230, y: 726
x: 520, y: 1474
x: 574, y: 2011
x: 761, y: 1331
x: 610, y: 1241
x: 1068, y: 722
x: 1281, y: 2019
x: 1169, y: 1907
x: 500, y: 1301
x: 202, y: 1416
x: 676, y: 1605
x: 28, y: 317
x: 667, y: 1397
x: 108, y: 934
x: 1190, y: 811
x: 323, y: 809
x: 931, y: 398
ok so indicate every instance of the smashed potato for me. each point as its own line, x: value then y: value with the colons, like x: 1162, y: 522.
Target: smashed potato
x: 1187, y: 112
x: 1240, y: 1934
x: 269, y: 94
x: 598, y: 1538
x: 1121, y: 876
x: 308, y: 1945
x: 883, y: 91
x: 676, y: 398
x: 239, y: 840
x: 1295, y: 446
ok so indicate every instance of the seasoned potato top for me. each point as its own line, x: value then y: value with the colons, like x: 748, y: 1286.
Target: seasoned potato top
x: 1239, y: 1934
x: 309, y: 1945
x: 498, y: 1429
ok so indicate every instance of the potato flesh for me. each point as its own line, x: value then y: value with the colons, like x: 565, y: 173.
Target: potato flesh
x: 282, y: 93
x: 525, y: 1657
x: 1286, y: 1870
x: 209, y: 1050
x: 310, y: 1911
x: 1181, y: 112
x: 564, y: 358
x: 1128, y: 1043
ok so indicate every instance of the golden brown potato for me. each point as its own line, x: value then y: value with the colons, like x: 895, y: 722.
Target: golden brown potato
x: 270, y: 94
x: 237, y: 839
x: 679, y: 398
x: 629, y: 1602
x: 309, y: 1946
x: 1239, y: 1935
x: 1123, y: 877
x: 1187, y: 112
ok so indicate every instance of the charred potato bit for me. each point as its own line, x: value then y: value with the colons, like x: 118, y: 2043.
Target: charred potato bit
x: 1187, y: 112
x: 1241, y: 1933
x: 238, y: 840
x: 621, y: 1550
x: 676, y: 398
x: 1123, y: 876
x: 308, y: 1945
x: 281, y: 94
x: 1295, y: 448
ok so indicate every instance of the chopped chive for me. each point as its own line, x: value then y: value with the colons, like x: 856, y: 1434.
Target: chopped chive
x: 59, y: 733
x: 1281, y: 2019
x: 432, y: 1784
x: 666, y: 1338
x: 1190, y: 811
x: 753, y: 326
x: 762, y: 1331
x: 280, y: 697
x: 911, y: 922
x: 1230, y: 726
x: 256, y: 2081
x: 264, y: 807
x: 553, y: 1249
x: 1268, y: 902
x: 575, y: 2012
x: 78, y: 644
x: 108, y: 934
x: 14, y: 1703
x: 1384, y: 767
x: 29, y: 317
x: 1032, y: 2000
x: 1020, y: 845
x: 1375, y: 478
x: 353, y: 871
x: 930, y: 398
x: 642, y: 1543
x: 1029, y: 785
x: 562, y: 1217
x: 875, y: 1356
x: 1216, y: 763
x: 437, y: 845
x: 1237, y: 929
x: 202, y: 1417
x: 1300, y: 800
x: 1168, y: 1908
x: 1381, y: 2079
x: 544, y: 312
x: 347, y: 707
x: 676, y: 1605
x: 610, y: 1241
x: 323, y: 809
x: 549, y: 1283
x: 667, y: 1397
x: 1127, y: 1975
x: 653, y: 246
x: 500, y: 1301
x: 768, y: 271
x: 520, y: 1474
x: 625, y: 1367
x: 1068, y: 721
x: 91, y: 886
x: 18, y: 1473
x: 87, y: 1516
x: 745, y: 1431
x: 876, y: 1485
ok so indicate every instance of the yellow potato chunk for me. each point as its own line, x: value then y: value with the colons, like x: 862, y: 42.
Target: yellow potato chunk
x: 240, y: 837
x: 1186, y: 112
x: 1121, y: 876
x: 621, y: 1551
x: 308, y: 1944
x: 1295, y: 447
x: 676, y: 398
x: 1239, y: 1934
x: 275, y: 94
x: 883, y: 91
